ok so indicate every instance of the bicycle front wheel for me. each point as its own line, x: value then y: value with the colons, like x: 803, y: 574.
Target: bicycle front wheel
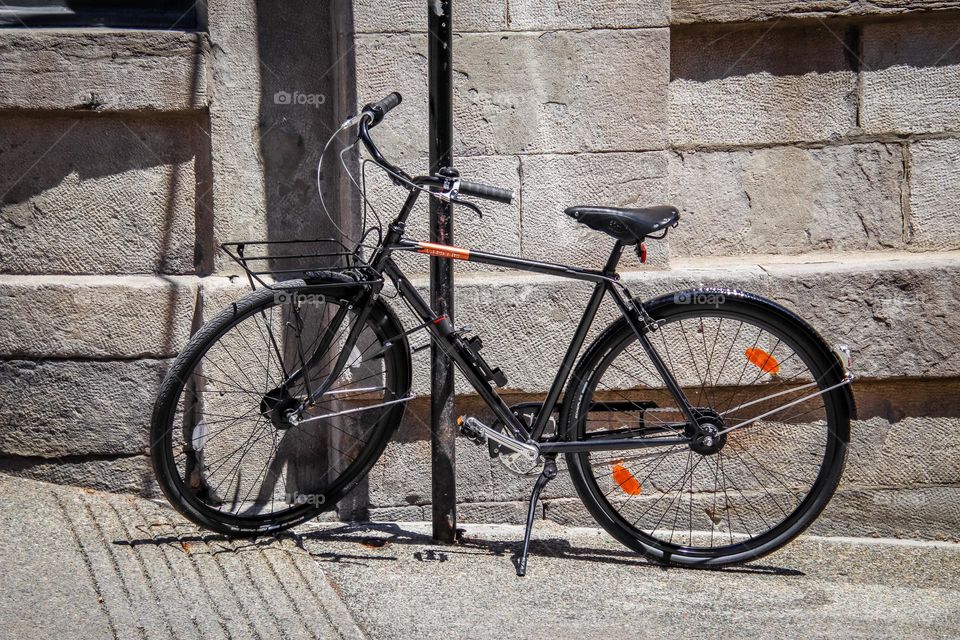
x: 254, y: 429
x: 770, y: 389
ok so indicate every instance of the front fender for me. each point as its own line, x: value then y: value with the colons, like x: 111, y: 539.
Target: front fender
x: 382, y: 316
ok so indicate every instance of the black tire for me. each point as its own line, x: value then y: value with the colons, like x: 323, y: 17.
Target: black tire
x: 201, y: 378
x: 607, y: 483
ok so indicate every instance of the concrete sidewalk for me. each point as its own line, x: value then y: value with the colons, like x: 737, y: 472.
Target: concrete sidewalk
x: 83, y: 564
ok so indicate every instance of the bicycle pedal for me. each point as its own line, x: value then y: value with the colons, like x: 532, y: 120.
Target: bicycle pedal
x: 468, y: 427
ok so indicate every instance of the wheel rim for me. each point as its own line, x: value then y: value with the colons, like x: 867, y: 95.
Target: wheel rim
x: 758, y: 483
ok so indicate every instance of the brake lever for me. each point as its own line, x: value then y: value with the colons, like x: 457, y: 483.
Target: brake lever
x: 469, y: 205
x: 452, y: 195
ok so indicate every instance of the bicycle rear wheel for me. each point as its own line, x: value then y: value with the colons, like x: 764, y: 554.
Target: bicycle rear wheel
x: 225, y: 451
x: 745, y: 364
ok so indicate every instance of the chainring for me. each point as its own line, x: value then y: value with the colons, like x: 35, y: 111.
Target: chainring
x: 515, y: 462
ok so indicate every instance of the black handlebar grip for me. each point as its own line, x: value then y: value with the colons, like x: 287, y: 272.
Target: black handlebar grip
x: 383, y: 107
x: 485, y: 191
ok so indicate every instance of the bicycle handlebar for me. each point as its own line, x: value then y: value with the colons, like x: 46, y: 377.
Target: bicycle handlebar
x: 485, y: 191
x: 378, y: 110
x: 375, y: 113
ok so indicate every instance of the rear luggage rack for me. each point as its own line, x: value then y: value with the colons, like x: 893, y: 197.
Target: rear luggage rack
x: 268, y: 262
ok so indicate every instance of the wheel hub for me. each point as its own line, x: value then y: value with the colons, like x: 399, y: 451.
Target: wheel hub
x: 280, y: 406
x: 708, y: 438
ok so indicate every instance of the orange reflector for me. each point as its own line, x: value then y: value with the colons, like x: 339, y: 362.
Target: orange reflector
x: 625, y: 480
x: 765, y: 361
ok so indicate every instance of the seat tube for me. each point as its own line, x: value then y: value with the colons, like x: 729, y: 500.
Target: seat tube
x: 614, y: 259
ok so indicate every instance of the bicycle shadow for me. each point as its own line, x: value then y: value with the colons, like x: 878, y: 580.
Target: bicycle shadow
x: 375, y: 535
x: 362, y: 543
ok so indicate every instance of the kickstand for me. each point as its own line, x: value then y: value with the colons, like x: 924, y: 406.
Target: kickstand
x: 549, y: 473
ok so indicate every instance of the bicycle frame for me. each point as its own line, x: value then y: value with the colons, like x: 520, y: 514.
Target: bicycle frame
x: 443, y: 334
x: 606, y: 282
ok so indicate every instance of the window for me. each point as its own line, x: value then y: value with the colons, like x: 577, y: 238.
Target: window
x: 156, y: 14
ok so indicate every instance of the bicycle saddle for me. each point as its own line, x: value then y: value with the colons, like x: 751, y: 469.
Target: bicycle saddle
x: 629, y: 226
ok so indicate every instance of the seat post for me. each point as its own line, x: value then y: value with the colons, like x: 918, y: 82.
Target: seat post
x: 614, y: 259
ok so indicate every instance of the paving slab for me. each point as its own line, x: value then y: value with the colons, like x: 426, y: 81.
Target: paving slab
x: 87, y: 564
x: 580, y: 583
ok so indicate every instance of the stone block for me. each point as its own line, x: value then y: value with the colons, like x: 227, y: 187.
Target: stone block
x: 759, y: 85
x: 95, y: 316
x: 402, y: 475
x: 911, y: 452
x: 498, y: 231
x: 565, y: 91
x: 218, y: 292
x: 55, y: 408
x: 911, y: 76
x: 934, y: 194
x: 786, y: 200
x: 103, y: 71
x: 397, y: 62
x: 238, y: 199
x: 584, y: 14
x: 931, y: 513
x: 401, y: 16
x: 569, y: 512
x: 493, y: 512
x: 273, y: 123
x: 693, y: 11
x: 926, y: 513
x: 103, y: 195
x: 129, y: 474
x: 525, y: 321
x: 898, y: 313
x: 551, y: 183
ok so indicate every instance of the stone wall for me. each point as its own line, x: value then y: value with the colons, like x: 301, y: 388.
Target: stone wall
x: 812, y: 148
x: 126, y: 157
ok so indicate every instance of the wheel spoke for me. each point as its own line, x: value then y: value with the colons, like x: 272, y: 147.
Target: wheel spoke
x: 753, y: 479
x: 243, y: 459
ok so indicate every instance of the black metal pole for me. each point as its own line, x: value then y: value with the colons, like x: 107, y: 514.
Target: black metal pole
x: 442, y: 431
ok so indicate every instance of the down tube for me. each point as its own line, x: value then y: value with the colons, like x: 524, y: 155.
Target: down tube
x: 442, y: 332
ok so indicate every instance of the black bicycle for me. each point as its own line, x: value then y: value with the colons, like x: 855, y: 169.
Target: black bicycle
x: 703, y: 428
